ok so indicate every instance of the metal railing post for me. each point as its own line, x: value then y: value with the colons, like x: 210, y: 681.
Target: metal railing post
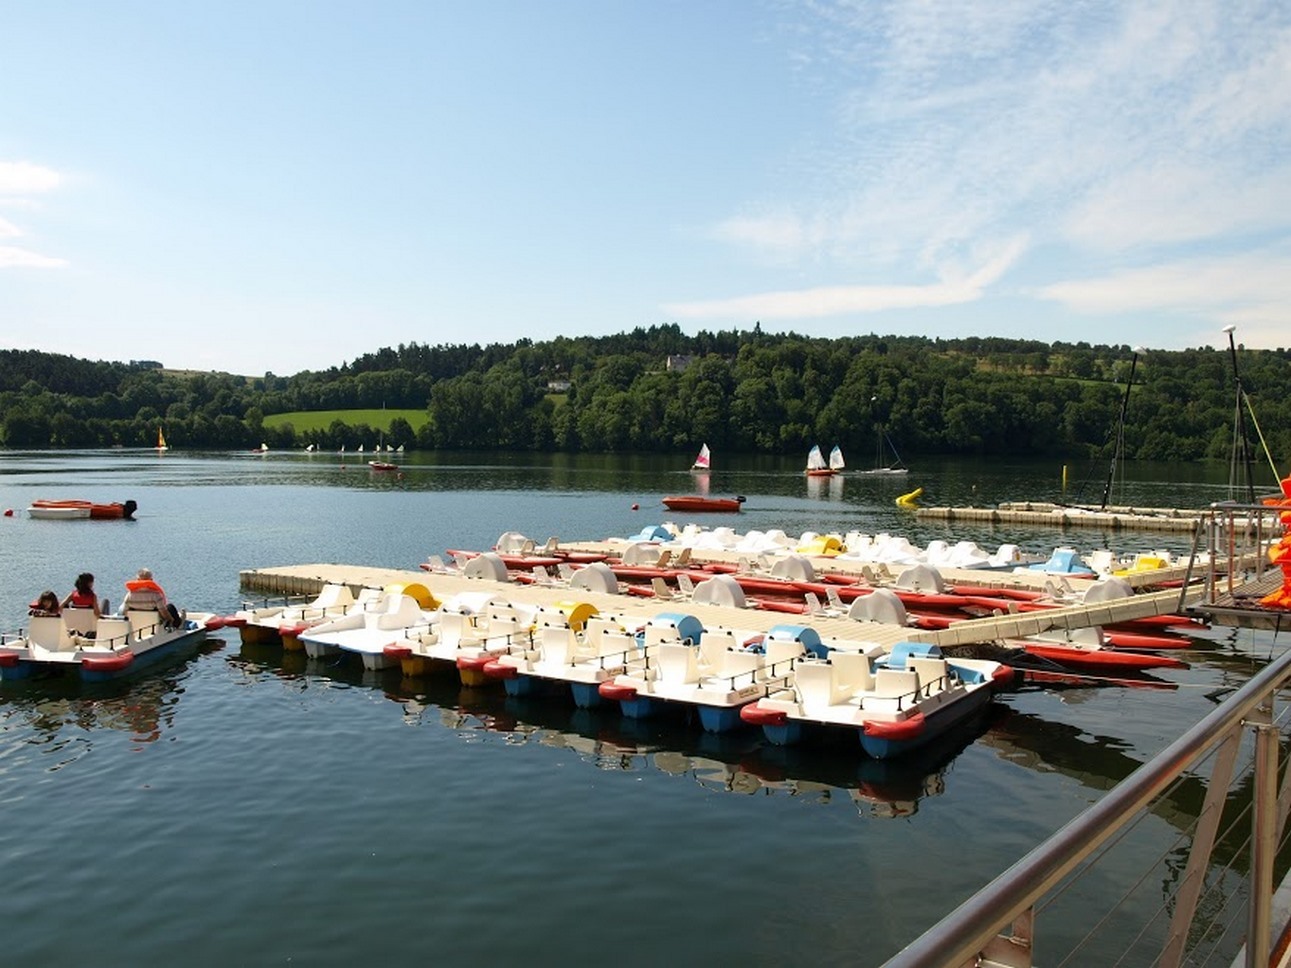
x: 1263, y: 835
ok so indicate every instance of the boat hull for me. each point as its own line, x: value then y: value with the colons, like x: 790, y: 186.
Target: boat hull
x: 696, y: 503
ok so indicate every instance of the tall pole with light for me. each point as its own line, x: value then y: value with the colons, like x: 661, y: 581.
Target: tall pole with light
x: 1241, y: 449
x: 1118, y: 449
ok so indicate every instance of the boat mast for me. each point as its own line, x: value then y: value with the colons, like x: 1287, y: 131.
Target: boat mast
x: 1241, y: 449
x: 1118, y: 449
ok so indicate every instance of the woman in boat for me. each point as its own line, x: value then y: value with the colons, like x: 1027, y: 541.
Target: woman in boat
x: 83, y: 596
x: 46, y: 605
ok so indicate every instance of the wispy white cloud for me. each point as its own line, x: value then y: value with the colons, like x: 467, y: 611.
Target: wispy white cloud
x: 19, y: 180
x: 1104, y: 131
x: 954, y: 287
x: 15, y: 258
x: 1250, y: 290
x: 25, y: 178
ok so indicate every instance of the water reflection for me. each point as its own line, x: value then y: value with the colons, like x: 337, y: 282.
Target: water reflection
x: 740, y: 762
x: 60, y: 714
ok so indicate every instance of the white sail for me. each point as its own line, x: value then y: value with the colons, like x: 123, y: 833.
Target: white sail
x: 701, y: 460
x: 836, y: 459
x: 815, y: 459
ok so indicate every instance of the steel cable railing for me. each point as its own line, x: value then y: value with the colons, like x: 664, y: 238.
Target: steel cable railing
x: 972, y: 931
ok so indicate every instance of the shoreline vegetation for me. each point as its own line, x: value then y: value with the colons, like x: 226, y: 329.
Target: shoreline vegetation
x: 657, y: 390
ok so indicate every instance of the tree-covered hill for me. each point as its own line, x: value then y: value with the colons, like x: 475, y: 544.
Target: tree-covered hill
x: 657, y: 389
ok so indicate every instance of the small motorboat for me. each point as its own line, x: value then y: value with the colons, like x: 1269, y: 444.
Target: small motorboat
x: 700, y: 503
x: 71, y: 510
x: 97, y: 649
x: 382, y: 465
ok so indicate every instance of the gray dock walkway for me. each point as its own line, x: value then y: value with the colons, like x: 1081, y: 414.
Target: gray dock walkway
x: 1065, y: 516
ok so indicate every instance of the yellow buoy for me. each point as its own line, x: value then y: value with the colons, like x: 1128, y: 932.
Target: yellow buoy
x: 910, y: 500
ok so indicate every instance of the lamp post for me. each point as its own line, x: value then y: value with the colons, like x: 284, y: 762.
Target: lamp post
x: 1118, y: 449
x: 1240, y: 446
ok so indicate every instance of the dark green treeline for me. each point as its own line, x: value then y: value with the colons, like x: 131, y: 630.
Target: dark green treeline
x: 659, y: 390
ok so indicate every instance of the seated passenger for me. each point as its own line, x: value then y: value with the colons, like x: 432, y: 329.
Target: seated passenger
x: 145, y: 595
x: 83, y: 596
x: 46, y: 604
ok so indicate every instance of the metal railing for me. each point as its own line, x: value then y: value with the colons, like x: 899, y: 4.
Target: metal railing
x: 971, y: 935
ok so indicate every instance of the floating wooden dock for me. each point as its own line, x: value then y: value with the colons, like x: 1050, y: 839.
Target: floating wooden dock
x: 1066, y: 516
x: 308, y: 579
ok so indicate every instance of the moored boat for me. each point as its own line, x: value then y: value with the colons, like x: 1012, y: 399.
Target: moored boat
x: 700, y: 503
x: 63, y: 510
x: 96, y: 649
x: 895, y: 703
x: 367, y: 630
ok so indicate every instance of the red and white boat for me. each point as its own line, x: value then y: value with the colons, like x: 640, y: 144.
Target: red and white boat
x: 70, y: 510
x: 700, y: 503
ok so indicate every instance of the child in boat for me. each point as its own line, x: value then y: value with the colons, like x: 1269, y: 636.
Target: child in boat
x: 83, y: 596
x: 46, y: 604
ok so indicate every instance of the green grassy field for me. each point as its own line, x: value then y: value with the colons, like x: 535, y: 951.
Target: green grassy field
x: 306, y: 420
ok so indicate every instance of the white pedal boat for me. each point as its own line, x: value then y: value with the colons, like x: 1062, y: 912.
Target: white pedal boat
x: 895, y: 703
x: 365, y: 631
x: 269, y: 624
x: 466, y: 632
x: 715, y: 671
x: 95, y: 649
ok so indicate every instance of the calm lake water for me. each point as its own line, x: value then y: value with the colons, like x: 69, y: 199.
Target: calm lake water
x: 243, y: 807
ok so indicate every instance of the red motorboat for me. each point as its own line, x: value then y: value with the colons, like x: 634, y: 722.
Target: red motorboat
x: 697, y: 502
x: 44, y: 508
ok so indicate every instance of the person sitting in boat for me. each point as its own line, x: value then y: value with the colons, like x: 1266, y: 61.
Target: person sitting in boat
x: 83, y: 596
x: 46, y: 605
x: 145, y: 595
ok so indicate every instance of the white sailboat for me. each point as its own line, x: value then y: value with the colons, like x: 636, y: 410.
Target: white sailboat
x: 816, y: 466
x: 881, y: 464
x: 836, y: 462
x: 701, y: 460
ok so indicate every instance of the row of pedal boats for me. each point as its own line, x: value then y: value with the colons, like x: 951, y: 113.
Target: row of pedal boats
x: 788, y: 681
x: 917, y: 596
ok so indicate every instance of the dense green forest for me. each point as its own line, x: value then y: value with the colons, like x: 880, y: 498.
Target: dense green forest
x: 658, y: 389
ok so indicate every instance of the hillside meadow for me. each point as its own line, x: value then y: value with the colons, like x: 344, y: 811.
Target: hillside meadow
x: 305, y: 421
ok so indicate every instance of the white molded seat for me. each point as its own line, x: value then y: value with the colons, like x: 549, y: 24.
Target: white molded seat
x: 852, y: 670
x: 818, y: 685
x: 932, y: 673
x: 894, y: 690
x: 559, y: 645
x: 678, y: 663
x: 46, y: 631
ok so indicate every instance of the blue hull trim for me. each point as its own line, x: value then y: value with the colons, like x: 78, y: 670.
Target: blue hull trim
x: 16, y: 672
x: 586, y: 694
x: 145, y: 660
x: 790, y: 734
x: 521, y: 686
x: 720, y: 719
x: 936, y: 726
x: 639, y: 708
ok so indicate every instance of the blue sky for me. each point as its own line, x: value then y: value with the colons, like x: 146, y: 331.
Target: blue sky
x: 279, y: 186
